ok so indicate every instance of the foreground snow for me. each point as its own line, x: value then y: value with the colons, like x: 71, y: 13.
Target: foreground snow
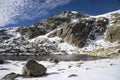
x: 106, y: 69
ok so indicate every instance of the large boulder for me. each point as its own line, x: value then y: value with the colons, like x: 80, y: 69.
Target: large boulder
x: 76, y: 33
x: 33, y: 68
x: 4, y: 35
x: 113, y: 33
x: 52, y: 22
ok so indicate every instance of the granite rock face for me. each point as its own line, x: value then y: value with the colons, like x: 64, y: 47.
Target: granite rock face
x: 75, y: 34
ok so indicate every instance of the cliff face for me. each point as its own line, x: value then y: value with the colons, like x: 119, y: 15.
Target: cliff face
x: 72, y: 29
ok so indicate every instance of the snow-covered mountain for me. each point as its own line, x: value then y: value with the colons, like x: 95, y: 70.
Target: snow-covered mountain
x: 69, y: 32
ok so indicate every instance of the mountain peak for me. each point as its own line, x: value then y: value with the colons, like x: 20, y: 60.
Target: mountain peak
x: 73, y: 14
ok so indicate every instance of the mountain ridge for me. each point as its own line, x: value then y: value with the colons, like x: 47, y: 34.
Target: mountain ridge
x: 69, y: 32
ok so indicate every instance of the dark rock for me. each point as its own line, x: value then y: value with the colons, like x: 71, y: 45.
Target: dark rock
x: 32, y: 32
x: 76, y: 33
x: 10, y: 76
x: 72, y: 75
x: 1, y: 61
x: 100, y: 24
x: 33, y: 68
x: 113, y: 33
x: 54, y: 22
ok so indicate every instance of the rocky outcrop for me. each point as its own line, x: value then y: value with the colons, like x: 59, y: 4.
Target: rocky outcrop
x: 113, y: 33
x: 76, y: 33
x: 100, y: 25
x: 47, y: 25
x: 72, y: 15
x: 33, y: 68
x: 53, y: 60
x: 1, y: 61
x: 32, y: 32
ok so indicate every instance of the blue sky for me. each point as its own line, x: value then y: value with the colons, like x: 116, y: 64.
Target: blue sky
x: 27, y: 12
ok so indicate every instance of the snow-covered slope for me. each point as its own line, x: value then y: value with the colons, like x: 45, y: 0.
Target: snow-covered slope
x: 49, y: 43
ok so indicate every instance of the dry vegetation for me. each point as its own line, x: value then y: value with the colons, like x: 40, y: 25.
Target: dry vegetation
x: 107, y: 52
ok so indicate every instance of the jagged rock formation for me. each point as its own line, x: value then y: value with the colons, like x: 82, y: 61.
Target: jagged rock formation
x: 32, y: 32
x: 115, y: 17
x: 100, y: 24
x: 4, y: 35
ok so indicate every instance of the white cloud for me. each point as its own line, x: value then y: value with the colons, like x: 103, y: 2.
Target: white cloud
x: 13, y: 10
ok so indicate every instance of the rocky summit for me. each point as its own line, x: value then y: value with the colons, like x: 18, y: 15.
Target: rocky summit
x: 67, y: 32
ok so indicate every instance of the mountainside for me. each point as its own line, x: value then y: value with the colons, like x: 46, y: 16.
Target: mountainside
x: 70, y: 32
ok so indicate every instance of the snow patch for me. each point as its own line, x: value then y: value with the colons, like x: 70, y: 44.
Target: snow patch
x: 75, y: 12
x: 98, y: 43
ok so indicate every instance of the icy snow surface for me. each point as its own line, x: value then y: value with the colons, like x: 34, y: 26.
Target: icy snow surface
x: 106, y: 69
